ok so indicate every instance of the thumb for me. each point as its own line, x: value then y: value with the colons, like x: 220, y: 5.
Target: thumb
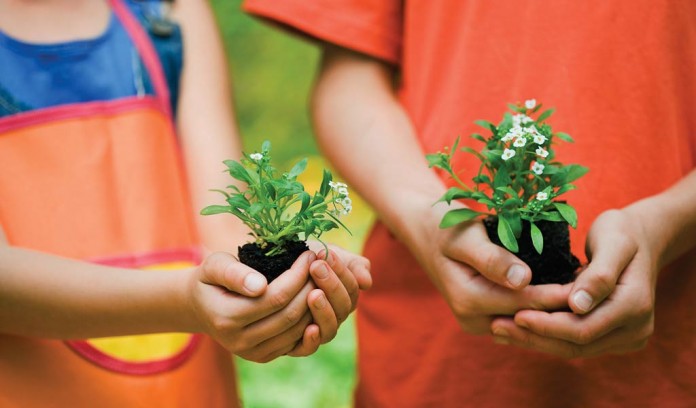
x: 473, y: 247
x: 607, y: 262
x: 221, y: 269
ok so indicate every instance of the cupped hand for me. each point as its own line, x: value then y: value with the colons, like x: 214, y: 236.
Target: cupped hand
x: 341, y: 275
x: 612, y: 300
x: 479, y: 279
x: 255, y: 320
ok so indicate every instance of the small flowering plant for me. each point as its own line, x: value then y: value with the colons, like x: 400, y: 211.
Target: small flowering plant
x: 518, y: 179
x: 278, y: 210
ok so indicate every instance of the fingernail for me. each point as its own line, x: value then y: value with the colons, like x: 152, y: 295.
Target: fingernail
x: 500, y: 332
x: 322, y: 272
x: 254, y: 282
x: 582, y: 300
x: 320, y: 302
x: 515, y: 275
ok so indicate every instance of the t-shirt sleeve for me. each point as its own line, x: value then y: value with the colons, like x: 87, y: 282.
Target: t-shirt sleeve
x: 371, y: 27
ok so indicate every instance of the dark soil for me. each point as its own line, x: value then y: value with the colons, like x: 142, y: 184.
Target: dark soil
x: 271, y: 267
x: 556, y: 264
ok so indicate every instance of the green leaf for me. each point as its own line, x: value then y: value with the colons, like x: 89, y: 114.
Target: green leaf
x: 266, y: 146
x: 508, y: 190
x: 486, y: 125
x: 238, y: 201
x: 507, y: 237
x: 565, y: 188
x: 474, y: 152
x: 454, y: 217
x: 255, y: 208
x: 574, y: 172
x: 325, y: 183
x: 513, y: 202
x: 305, y: 201
x: 545, y: 115
x: 434, y: 160
x: 502, y: 178
x: 478, y: 137
x: 455, y: 193
x: 215, y: 209
x: 482, y: 179
x: 297, y: 169
x: 537, y: 238
x: 564, y: 136
x: 513, y: 218
x: 487, y: 202
x: 550, y: 216
x: 237, y: 171
x: 568, y: 213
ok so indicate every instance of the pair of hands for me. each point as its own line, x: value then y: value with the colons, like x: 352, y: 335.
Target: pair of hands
x: 612, y: 300
x: 294, y: 315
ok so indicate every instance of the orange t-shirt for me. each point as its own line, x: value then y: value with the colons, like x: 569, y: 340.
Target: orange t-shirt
x: 622, y: 76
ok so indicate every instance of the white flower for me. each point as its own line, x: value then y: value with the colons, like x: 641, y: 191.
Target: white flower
x: 542, y: 196
x: 256, y: 156
x: 530, y: 103
x: 516, y: 131
x: 541, y: 152
x: 538, y: 168
x: 347, y: 209
x: 521, y: 119
x: 347, y: 202
x: 340, y: 188
x: 508, y: 154
x: 539, y: 139
x: 519, y: 142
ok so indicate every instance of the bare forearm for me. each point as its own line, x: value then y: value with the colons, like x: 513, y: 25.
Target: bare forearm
x: 669, y: 219
x: 365, y: 132
x: 47, y: 296
x: 206, y: 122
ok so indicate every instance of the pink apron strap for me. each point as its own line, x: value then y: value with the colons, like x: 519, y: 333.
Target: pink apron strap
x: 147, y: 52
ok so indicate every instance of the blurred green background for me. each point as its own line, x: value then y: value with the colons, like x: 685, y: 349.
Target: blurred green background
x: 272, y: 74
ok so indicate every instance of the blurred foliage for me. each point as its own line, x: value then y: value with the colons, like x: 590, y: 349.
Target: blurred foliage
x: 272, y: 74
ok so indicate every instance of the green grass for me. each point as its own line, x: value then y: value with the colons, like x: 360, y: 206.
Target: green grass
x: 272, y: 75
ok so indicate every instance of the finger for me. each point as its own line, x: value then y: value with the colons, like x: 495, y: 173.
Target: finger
x: 309, y: 344
x: 484, y: 297
x: 336, y: 293
x: 280, y: 344
x: 497, y: 264
x: 221, y: 269
x: 568, y: 326
x: 607, y: 264
x: 338, y: 264
x: 357, y: 265
x: 322, y: 315
x: 282, y: 290
x: 619, y: 341
x: 282, y: 320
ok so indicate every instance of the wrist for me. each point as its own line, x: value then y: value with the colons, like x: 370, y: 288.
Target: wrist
x: 656, y: 232
x: 183, y: 291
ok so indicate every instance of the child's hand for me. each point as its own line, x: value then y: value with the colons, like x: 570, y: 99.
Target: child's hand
x: 478, y: 279
x: 259, y: 322
x: 340, y: 276
x: 613, y: 300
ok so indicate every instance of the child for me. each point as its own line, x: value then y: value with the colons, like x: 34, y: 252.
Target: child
x: 400, y: 79
x: 94, y: 171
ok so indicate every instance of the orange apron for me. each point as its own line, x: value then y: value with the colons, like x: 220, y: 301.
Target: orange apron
x: 103, y: 182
